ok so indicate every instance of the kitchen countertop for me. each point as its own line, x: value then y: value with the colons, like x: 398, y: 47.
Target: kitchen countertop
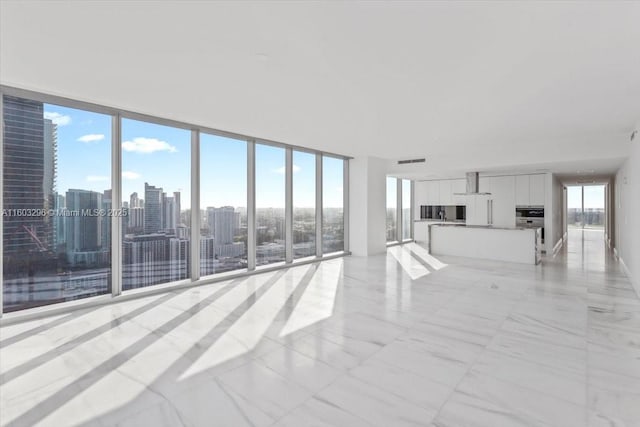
x: 488, y: 227
x: 437, y: 221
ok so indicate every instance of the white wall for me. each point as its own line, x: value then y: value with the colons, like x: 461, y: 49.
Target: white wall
x: 556, y: 211
x: 367, y: 206
x: 627, y: 206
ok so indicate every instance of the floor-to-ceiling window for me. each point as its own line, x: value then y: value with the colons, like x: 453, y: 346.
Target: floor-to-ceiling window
x: 223, y: 204
x: 332, y: 204
x: 56, y: 204
x: 67, y: 234
x: 156, y: 164
x: 304, y: 204
x: 594, y: 206
x: 586, y: 206
x: 270, y: 202
x: 392, y: 209
x: 406, y: 209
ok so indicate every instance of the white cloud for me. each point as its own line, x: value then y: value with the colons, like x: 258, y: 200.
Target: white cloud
x: 57, y: 118
x: 281, y: 170
x: 92, y: 137
x: 147, y: 145
x: 97, y: 178
x: 130, y: 175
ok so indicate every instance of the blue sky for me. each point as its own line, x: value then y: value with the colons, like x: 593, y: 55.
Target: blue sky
x: 593, y: 197
x: 160, y: 155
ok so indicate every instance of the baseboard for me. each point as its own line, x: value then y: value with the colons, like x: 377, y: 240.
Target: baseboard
x: 634, y: 285
x: 557, y: 247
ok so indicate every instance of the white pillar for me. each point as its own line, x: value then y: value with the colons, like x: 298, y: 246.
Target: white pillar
x: 367, y: 206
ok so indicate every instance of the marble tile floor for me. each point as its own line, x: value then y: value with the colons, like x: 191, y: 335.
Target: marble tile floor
x: 390, y: 340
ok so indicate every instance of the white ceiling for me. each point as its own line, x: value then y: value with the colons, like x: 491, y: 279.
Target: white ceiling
x: 468, y: 85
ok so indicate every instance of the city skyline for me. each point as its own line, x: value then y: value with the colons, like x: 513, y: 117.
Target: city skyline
x: 84, y: 149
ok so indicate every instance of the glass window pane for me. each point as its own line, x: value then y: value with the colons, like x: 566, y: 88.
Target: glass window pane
x: 332, y: 205
x: 270, y: 200
x: 594, y: 206
x: 57, y: 196
x: 304, y: 204
x: 156, y: 180
x: 406, y: 209
x: 223, y: 198
x: 392, y: 204
x: 574, y: 206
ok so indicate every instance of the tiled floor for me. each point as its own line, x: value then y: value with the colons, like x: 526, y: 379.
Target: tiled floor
x: 401, y: 339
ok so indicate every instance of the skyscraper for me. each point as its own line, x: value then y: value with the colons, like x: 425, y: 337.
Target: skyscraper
x: 221, y: 224
x: 106, y: 220
x: 50, y: 151
x: 84, y: 232
x: 134, y: 202
x: 153, y: 209
x: 23, y: 173
x: 169, y: 217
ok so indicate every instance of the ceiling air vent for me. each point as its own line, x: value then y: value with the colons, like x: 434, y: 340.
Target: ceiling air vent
x: 406, y: 162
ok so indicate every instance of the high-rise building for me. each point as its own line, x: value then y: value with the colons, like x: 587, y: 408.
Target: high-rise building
x: 178, y: 208
x: 59, y: 223
x: 222, y: 224
x: 23, y: 174
x: 136, y: 220
x: 134, y: 202
x: 84, y: 231
x: 106, y: 220
x: 50, y: 150
x: 154, y: 258
x: 169, y: 216
x: 152, y: 209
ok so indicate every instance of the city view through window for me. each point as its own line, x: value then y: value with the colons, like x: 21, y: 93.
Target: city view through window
x: 398, y: 229
x: 57, y: 179
x: 586, y: 206
x: 58, y: 207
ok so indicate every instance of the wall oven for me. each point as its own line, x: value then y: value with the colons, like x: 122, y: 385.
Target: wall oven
x: 530, y: 217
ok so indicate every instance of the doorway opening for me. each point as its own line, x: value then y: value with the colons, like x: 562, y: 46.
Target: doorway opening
x: 586, y: 207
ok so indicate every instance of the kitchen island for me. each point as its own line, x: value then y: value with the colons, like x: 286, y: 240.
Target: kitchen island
x: 522, y: 245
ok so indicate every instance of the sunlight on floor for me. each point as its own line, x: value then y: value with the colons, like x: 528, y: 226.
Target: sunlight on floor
x: 409, y: 264
x: 248, y: 330
x: 318, y: 300
x: 425, y: 256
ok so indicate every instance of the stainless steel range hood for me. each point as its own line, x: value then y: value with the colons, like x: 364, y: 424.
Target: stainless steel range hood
x: 473, y: 185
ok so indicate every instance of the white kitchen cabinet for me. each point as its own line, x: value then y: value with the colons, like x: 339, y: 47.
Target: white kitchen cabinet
x: 530, y: 190
x: 484, y: 184
x: 445, y: 192
x: 433, y: 192
x: 503, y: 195
x: 536, y: 190
x: 522, y: 190
x: 458, y: 188
x: 420, y: 197
x: 421, y: 231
